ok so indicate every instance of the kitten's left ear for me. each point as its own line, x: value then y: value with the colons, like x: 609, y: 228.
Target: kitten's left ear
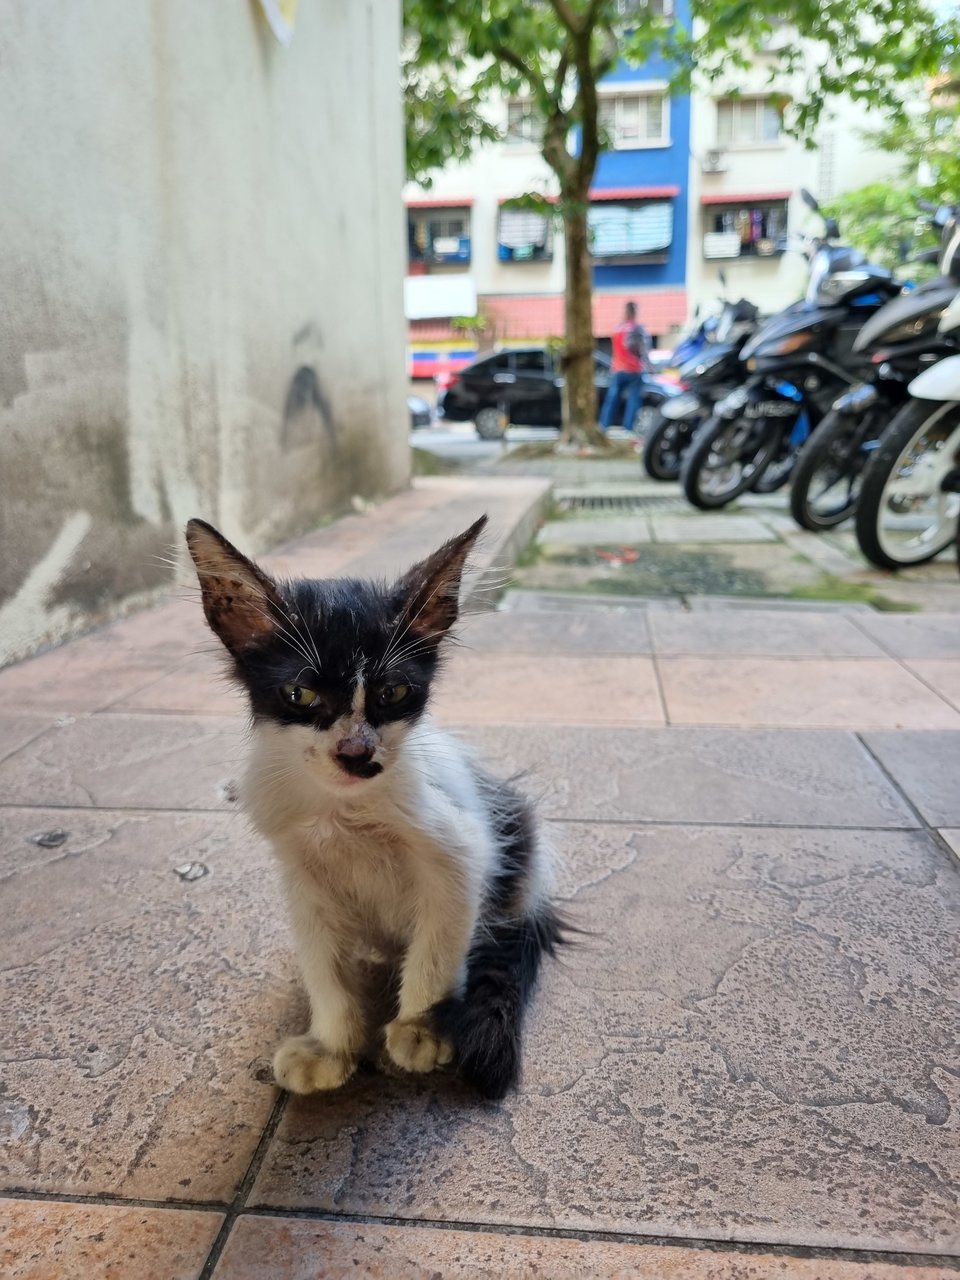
x: 242, y: 605
x: 431, y: 589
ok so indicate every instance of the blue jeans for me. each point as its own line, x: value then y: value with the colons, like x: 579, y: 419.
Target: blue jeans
x: 632, y: 384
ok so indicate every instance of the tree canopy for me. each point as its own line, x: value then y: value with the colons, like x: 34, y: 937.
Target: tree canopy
x: 458, y: 53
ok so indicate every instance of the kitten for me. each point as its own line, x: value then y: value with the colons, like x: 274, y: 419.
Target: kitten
x: 417, y: 883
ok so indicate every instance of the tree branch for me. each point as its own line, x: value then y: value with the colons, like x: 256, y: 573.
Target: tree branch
x: 503, y: 54
x: 568, y: 16
x: 587, y: 90
x: 559, y: 80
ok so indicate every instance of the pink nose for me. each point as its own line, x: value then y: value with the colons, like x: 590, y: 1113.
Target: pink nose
x: 358, y: 746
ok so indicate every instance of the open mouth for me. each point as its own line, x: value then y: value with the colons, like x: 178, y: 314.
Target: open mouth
x: 360, y: 768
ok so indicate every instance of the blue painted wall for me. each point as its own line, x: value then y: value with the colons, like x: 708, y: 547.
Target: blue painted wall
x: 652, y: 167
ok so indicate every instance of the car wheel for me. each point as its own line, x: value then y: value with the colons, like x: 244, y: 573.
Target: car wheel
x: 491, y: 423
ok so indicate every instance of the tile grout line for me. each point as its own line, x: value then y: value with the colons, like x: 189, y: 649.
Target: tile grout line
x: 658, y: 677
x: 926, y: 826
x: 902, y: 663
x: 239, y: 1201
x: 531, y: 1230
x: 748, y: 824
x: 537, y: 1231
x: 924, y: 681
x: 105, y: 1200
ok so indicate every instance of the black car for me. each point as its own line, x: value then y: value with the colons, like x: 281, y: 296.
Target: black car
x: 521, y: 386
x: 421, y: 415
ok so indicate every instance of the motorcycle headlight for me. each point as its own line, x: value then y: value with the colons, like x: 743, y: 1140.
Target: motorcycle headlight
x: 950, y: 319
x: 697, y: 368
x: 833, y: 288
x: 913, y: 328
x: 792, y: 342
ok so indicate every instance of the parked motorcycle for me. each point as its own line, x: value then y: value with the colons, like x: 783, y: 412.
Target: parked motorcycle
x: 910, y: 498
x: 705, y: 379
x: 796, y: 365
x: 899, y: 340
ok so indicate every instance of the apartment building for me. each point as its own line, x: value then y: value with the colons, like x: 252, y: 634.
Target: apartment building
x: 746, y: 215
x: 690, y: 186
x: 470, y: 253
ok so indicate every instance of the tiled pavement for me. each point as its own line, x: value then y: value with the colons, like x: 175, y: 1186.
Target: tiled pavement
x: 747, y: 1068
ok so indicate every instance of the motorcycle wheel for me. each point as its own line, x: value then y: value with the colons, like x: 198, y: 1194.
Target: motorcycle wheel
x: 905, y: 515
x: 776, y: 474
x: 664, y: 447
x: 828, y: 474
x: 725, y: 459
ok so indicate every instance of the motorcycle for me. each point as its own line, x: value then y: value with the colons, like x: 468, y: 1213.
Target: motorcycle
x: 899, y: 340
x: 910, y: 498
x: 704, y: 380
x: 797, y: 363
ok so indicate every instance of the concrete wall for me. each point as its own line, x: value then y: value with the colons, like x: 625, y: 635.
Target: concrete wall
x: 201, y: 259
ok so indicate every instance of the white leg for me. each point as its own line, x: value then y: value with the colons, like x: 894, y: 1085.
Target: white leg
x: 432, y: 970
x: 327, y: 1055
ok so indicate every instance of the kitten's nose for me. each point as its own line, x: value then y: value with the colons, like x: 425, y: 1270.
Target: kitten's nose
x: 356, y: 749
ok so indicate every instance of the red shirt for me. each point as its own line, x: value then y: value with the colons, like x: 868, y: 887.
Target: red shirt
x: 624, y: 360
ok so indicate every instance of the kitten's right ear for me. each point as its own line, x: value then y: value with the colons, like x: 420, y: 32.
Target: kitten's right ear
x: 239, y: 600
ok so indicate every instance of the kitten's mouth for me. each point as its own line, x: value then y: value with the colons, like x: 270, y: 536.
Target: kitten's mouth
x: 355, y: 770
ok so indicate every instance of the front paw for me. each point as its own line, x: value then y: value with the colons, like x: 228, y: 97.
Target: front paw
x: 415, y: 1046
x: 300, y: 1065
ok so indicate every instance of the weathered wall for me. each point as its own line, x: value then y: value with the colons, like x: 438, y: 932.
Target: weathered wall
x: 201, y: 262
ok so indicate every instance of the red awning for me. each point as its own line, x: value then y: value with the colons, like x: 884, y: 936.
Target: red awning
x: 752, y: 197
x: 452, y: 202
x: 633, y: 193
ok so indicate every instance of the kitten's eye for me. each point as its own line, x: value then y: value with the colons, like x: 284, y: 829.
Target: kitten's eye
x: 393, y: 695
x: 298, y: 695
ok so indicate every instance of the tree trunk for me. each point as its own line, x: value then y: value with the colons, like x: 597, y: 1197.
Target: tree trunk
x: 579, y: 392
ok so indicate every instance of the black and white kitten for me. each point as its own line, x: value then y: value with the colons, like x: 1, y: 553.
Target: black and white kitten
x: 417, y: 883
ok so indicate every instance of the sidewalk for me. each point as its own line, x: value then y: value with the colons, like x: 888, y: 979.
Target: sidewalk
x: 748, y: 1068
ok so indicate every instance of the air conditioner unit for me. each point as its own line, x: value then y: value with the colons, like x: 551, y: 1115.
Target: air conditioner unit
x: 714, y: 161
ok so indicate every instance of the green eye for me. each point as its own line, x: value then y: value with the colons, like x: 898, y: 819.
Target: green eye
x: 298, y: 695
x: 393, y: 695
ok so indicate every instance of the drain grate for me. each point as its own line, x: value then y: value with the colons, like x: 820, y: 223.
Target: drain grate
x: 620, y: 502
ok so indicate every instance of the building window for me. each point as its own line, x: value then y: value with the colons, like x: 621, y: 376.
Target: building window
x: 635, y: 120
x: 438, y: 236
x: 636, y: 232
x: 747, y: 122
x: 630, y: 8
x: 523, y: 122
x: 524, y: 236
x: 756, y: 230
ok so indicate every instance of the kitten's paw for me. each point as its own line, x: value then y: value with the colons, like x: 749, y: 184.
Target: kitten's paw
x: 415, y: 1046
x: 300, y: 1065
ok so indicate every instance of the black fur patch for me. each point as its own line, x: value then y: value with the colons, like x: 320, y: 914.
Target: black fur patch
x: 333, y: 632
x: 486, y: 1025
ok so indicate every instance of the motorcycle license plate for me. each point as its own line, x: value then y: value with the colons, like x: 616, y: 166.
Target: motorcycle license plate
x: 772, y: 409
x: 680, y: 407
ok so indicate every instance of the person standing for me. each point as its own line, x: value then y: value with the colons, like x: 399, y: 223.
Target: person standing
x: 628, y: 368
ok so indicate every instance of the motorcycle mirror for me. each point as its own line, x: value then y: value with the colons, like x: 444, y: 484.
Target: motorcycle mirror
x: 833, y: 228
x: 809, y: 200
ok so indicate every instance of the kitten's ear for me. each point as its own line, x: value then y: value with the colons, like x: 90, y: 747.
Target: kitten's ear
x: 430, y: 591
x: 239, y: 600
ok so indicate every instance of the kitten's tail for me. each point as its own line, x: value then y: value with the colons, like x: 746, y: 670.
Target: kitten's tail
x: 485, y: 1024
